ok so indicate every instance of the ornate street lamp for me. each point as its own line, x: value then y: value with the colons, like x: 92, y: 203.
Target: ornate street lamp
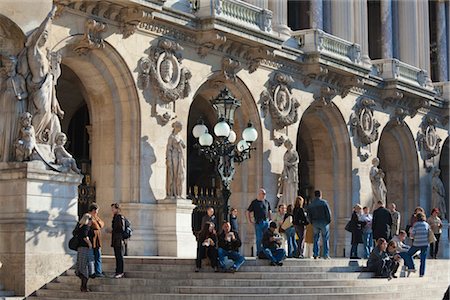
x: 222, y: 149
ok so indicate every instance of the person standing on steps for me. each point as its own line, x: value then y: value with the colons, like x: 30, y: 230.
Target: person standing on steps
x: 367, y: 231
x: 419, y: 234
x: 84, y: 267
x: 436, y: 226
x: 118, y: 227
x: 300, y: 223
x: 395, y: 215
x: 262, y: 213
x: 97, y: 225
x: 319, y: 215
x: 356, y: 228
x: 381, y: 222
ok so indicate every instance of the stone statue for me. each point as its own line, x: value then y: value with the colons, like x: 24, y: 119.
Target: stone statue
x: 289, y: 176
x: 175, y: 162
x: 438, y: 193
x: 44, y: 71
x: 13, y: 96
x: 379, y: 190
x: 63, y: 157
x: 26, y: 143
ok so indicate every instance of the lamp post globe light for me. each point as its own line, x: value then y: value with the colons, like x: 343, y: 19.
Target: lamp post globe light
x: 222, y: 149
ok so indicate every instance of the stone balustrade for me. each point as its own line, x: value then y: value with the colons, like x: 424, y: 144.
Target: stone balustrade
x: 317, y: 41
x: 393, y: 69
x: 236, y: 12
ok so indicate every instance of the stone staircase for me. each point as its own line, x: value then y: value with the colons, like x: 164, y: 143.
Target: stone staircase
x: 6, y: 294
x: 169, y: 278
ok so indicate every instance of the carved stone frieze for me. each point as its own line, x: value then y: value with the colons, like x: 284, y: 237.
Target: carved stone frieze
x: 163, y: 66
x: 409, y: 103
x: 278, y: 100
x: 230, y: 67
x: 363, y: 123
x: 427, y: 138
x: 92, y: 38
x: 210, y: 42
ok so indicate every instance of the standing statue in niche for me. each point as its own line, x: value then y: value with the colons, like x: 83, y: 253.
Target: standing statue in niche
x: 288, y: 184
x: 438, y: 193
x: 13, y: 96
x: 175, y: 162
x: 26, y: 143
x: 379, y: 190
x: 44, y: 71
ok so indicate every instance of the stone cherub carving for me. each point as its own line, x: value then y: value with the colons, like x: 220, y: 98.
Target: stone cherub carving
x: 288, y: 183
x: 175, y: 162
x: 438, y: 193
x: 26, y: 143
x: 63, y: 157
x: 379, y: 190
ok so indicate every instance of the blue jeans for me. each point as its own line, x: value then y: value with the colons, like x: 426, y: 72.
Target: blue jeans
x: 97, y: 260
x: 368, y: 243
x: 275, y: 255
x: 354, y: 250
x: 323, y: 230
x: 233, y: 255
x: 423, y: 257
x: 292, y: 244
x: 260, y: 228
x: 407, y: 259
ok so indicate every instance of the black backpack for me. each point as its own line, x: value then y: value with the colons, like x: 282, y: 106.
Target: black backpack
x: 74, y: 242
x: 127, y: 232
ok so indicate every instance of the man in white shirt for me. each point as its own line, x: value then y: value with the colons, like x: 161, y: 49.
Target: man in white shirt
x: 367, y: 232
x: 402, y: 249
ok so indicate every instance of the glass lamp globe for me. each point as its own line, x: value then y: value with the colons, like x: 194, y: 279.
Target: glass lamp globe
x: 198, y: 130
x: 242, y: 146
x: 232, y: 136
x: 250, y: 134
x: 205, y: 139
x: 222, y: 129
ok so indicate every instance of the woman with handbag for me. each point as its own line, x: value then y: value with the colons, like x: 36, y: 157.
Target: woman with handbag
x: 356, y: 229
x: 289, y: 231
x: 420, y: 236
x: 84, y: 267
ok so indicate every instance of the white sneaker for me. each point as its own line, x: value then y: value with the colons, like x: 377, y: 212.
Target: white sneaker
x: 117, y: 276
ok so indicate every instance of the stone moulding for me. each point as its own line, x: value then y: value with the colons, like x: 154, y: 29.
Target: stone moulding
x: 278, y: 101
x: 163, y: 66
x: 363, y: 122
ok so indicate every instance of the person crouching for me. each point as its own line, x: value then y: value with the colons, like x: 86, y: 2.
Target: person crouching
x: 229, y: 244
x: 271, y: 246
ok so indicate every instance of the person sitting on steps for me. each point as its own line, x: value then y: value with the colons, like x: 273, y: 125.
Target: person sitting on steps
x: 271, y: 243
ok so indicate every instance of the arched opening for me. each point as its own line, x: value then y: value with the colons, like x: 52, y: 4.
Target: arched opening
x: 444, y: 166
x: 323, y: 144
x: 248, y: 176
x: 398, y: 159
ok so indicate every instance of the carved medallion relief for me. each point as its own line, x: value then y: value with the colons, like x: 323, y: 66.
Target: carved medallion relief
x: 429, y: 141
x: 364, y: 126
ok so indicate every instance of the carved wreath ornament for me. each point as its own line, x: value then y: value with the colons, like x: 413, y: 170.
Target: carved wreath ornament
x: 163, y: 66
x: 278, y: 100
x: 429, y: 141
x: 364, y: 123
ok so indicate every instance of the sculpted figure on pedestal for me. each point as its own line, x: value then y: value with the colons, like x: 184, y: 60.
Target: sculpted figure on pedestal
x: 379, y: 190
x: 13, y: 96
x: 438, y: 193
x: 289, y: 176
x: 26, y: 143
x: 175, y: 167
x: 63, y: 157
x: 44, y: 70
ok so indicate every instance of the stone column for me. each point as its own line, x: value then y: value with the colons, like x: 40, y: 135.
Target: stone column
x: 342, y: 21
x: 423, y: 35
x: 316, y: 14
x: 259, y: 3
x: 326, y: 12
x: 361, y: 33
x: 408, y: 33
x: 279, y: 21
x: 442, y: 43
x: 38, y: 214
x: 386, y: 28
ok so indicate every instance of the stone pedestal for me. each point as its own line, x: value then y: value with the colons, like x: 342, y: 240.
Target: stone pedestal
x: 38, y: 213
x: 173, y: 228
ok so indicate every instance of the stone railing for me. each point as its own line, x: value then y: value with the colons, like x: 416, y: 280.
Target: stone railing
x: 316, y: 41
x: 392, y: 68
x: 236, y: 12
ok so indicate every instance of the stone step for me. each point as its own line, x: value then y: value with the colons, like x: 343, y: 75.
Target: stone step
x: 4, y: 294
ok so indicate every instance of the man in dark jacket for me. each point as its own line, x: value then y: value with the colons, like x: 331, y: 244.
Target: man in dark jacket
x: 271, y: 243
x: 381, y: 223
x: 319, y: 215
x: 229, y: 244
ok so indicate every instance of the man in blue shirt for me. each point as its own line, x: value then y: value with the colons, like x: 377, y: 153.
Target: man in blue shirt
x: 319, y: 215
x: 261, y: 213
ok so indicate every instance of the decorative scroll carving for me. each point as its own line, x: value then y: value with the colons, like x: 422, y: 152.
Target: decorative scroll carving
x: 163, y: 66
x: 428, y: 140
x: 130, y: 18
x: 230, y: 67
x: 363, y: 122
x: 399, y: 116
x: 278, y: 100
x: 209, y: 43
x: 255, y: 56
x: 92, y: 38
x: 325, y: 95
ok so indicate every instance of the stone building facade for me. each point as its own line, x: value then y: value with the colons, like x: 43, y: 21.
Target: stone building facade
x: 345, y: 81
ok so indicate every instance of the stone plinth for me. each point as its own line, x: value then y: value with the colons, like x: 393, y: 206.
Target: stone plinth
x: 37, y: 216
x: 173, y: 226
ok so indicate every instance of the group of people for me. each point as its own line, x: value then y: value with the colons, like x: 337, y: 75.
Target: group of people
x: 391, y: 246
x: 88, y: 231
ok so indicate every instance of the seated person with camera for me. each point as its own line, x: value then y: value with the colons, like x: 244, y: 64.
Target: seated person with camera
x: 229, y: 244
x: 271, y: 245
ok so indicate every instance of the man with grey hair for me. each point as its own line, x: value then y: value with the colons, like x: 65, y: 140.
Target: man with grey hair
x: 261, y: 216
x: 395, y: 215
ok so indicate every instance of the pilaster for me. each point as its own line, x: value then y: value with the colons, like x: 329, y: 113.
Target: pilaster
x: 316, y: 14
x: 442, y: 42
x: 386, y: 28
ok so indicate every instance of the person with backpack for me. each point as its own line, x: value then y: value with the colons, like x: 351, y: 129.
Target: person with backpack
x: 117, y: 238
x: 84, y: 267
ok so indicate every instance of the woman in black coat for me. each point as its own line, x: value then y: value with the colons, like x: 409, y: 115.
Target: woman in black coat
x: 356, y: 227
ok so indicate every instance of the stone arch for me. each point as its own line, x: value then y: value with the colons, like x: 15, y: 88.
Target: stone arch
x: 444, y: 166
x: 399, y: 160
x: 323, y: 143
x: 12, y: 37
x: 248, y: 177
x: 111, y: 96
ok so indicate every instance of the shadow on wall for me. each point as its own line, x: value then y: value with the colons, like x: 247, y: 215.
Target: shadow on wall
x: 148, y: 159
